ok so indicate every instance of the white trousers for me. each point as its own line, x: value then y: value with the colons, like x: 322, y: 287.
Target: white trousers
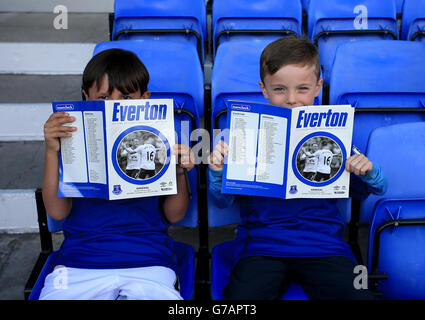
x: 147, y: 283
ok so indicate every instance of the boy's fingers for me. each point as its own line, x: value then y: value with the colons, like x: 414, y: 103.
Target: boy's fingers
x: 224, y: 145
x: 367, y: 166
x: 351, y: 161
x: 60, y: 129
x: 358, y: 164
x: 185, y: 155
x: 61, y: 116
x: 217, y: 159
x: 222, y: 148
x: 179, y: 149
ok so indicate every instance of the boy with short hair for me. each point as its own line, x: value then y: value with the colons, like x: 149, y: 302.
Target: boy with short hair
x: 116, y: 249
x: 298, y: 238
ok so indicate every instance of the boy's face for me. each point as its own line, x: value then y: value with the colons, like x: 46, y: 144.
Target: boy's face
x: 101, y: 92
x: 292, y: 86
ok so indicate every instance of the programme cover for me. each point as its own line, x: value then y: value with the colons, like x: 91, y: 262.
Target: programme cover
x: 288, y: 153
x: 121, y: 149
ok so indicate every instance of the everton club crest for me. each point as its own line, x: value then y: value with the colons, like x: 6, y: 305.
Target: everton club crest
x: 117, y: 189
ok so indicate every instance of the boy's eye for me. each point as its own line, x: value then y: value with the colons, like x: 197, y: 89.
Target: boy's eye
x: 125, y: 97
x: 304, y: 88
x: 102, y: 97
x: 278, y: 89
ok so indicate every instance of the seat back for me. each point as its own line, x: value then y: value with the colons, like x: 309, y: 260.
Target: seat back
x: 175, y: 72
x: 397, y: 229
x: 333, y: 22
x: 413, y: 20
x: 382, y: 80
x: 184, y: 253
x: 239, y: 19
x: 241, y: 83
x: 399, y: 150
x: 159, y: 19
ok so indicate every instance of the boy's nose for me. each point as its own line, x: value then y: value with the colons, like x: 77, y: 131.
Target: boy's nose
x: 291, y: 98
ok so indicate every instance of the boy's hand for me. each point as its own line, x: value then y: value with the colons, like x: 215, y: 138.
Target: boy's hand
x: 54, y: 129
x: 216, y: 158
x: 186, y: 158
x: 358, y: 164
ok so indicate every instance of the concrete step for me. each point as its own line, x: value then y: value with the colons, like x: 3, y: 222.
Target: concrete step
x: 49, y: 5
x: 23, y: 121
x: 39, y: 27
x: 39, y: 88
x: 21, y: 166
x: 44, y: 58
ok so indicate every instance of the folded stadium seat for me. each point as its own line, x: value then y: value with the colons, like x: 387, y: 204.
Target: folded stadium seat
x: 333, y: 22
x: 241, y: 83
x: 225, y: 255
x: 46, y: 261
x: 382, y: 80
x: 397, y: 230
x: 161, y: 19
x: 175, y: 72
x: 413, y: 20
x: 270, y: 19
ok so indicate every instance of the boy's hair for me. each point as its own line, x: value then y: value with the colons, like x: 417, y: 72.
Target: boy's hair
x: 286, y: 51
x: 124, y: 69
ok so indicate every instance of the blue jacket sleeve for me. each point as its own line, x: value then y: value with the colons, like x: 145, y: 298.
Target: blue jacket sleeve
x: 214, y: 188
x: 374, y: 182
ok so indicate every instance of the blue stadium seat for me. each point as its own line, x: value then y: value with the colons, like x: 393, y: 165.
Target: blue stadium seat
x: 163, y: 19
x: 224, y: 256
x: 397, y: 230
x: 184, y: 253
x: 270, y: 19
x: 382, y: 80
x: 175, y: 72
x: 333, y: 22
x: 241, y: 83
x: 413, y: 20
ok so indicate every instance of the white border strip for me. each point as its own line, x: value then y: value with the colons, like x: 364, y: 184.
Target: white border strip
x: 18, y: 211
x: 78, y: 6
x: 44, y: 58
x: 23, y: 121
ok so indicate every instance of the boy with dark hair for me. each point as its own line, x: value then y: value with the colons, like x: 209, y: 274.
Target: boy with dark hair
x: 112, y: 249
x: 298, y: 238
